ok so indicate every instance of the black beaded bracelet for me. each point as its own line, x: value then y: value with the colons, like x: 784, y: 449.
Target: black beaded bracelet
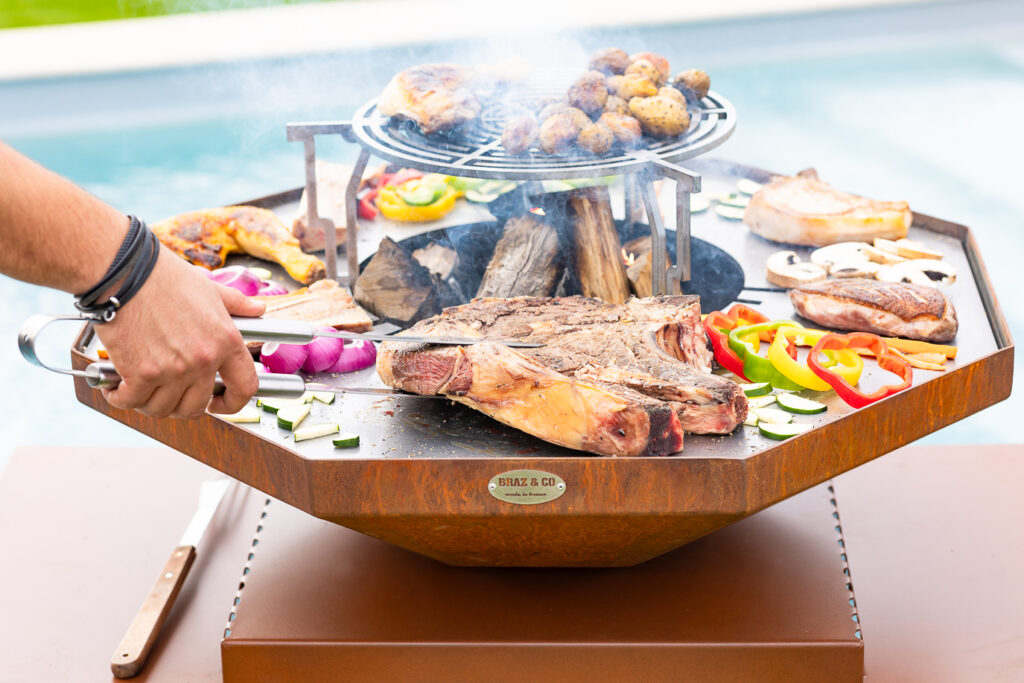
x: 132, y: 265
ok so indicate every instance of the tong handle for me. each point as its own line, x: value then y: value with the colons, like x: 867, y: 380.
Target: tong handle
x: 102, y: 375
x: 273, y: 330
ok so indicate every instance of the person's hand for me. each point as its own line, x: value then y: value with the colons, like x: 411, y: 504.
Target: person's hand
x: 168, y: 342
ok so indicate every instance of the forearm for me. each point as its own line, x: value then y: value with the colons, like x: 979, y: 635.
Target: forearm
x: 52, y: 232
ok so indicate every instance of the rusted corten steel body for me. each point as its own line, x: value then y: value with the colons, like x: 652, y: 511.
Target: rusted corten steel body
x: 420, y: 478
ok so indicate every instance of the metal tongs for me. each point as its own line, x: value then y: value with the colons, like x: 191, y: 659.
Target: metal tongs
x: 103, y: 375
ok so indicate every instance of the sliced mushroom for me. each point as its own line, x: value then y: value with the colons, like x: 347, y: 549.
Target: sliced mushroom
x: 866, y: 269
x: 927, y: 272
x: 842, y: 253
x: 881, y: 256
x: 907, y: 249
x: 786, y: 269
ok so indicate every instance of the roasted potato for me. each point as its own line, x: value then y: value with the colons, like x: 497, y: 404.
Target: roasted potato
x: 597, y: 138
x: 616, y: 104
x: 589, y: 93
x: 625, y: 128
x: 658, y: 61
x: 630, y: 85
x: 642, y: 66
x: 549, y: 110
x: 610, y: 60
x: 558, y: 133
x: 694, y: 80
x: 660, y: 116
x: 519, y: 134
x: 579, y: 117
x: 672, y: 93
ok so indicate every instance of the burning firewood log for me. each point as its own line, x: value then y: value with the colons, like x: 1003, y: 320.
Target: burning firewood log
x: 637, y: 254
x: 598, y: 258
x: 395, y: 286
x: 526, y: 262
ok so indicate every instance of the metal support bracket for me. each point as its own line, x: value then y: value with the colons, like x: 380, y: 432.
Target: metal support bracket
x: 666, y: 280
x: 306, y: 134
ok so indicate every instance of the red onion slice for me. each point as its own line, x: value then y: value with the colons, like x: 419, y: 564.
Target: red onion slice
x: 355, y: 356
x: 283, y: 358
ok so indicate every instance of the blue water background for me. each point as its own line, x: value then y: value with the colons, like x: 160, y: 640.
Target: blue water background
x: 922, y: 103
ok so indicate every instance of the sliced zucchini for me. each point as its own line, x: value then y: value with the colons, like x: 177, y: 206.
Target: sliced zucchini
x: 699, y: 204
x: 751, y: 420
x: 272, y: 405
x: 314, y: 431
x: 557, y: 185
x: 801, y: 405
x: 732, y: 213
x: 465, y: 184
x: 420, y: 194
x: 757, y: 388
x: 740, y: 201
x: 772, y: 416
x: 747, y: 186
x: 784, y: 431
x: 324, y: 396
x: 245, y: 415
x: 760, y: 401
x: 478, y: 197
x: 307, y: 397
x: 346, y: 441
x: 291, y: 416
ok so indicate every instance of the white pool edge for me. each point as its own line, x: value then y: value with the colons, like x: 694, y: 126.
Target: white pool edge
x: 230, y: 35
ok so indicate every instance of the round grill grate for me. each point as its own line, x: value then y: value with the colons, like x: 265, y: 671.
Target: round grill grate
x: 475, y: 150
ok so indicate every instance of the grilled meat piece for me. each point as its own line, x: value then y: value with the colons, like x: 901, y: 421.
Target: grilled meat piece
x: 610, y: 60
x: 519, y: 134
x: 624, y: 127
x: 206, y: 237
x: 895, y: 309
x: 558, y: 133
x: 809, y: 211
x: 589, y: 93
x: 694, y: 80
x: 652, y: 347
x: 436, y: 96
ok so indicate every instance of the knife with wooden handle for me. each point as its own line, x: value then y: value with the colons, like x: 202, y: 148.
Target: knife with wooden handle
x: 130, y: 655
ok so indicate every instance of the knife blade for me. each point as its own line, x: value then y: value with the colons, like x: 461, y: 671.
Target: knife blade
x: 130, y: 655
x: 300, y: 332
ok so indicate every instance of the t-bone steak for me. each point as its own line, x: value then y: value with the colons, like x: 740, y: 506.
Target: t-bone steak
x: 614, y: 379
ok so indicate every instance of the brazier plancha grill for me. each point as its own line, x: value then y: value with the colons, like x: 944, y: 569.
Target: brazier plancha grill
x: 448, y: 482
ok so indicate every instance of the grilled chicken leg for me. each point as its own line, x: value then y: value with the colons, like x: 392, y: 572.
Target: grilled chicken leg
x: 207, y: 236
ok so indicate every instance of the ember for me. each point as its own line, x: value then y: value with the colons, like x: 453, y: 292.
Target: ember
x: 628, y: 258
x: 538, y: 211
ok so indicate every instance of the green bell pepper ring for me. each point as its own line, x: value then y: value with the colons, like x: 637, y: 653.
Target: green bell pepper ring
x: 758, y: 368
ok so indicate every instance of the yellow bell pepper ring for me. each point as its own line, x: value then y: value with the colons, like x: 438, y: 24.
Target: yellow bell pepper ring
x: 394, y: 207
x: 846, y: 362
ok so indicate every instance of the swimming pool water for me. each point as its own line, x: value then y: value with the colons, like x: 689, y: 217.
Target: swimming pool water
x: 919, y: 103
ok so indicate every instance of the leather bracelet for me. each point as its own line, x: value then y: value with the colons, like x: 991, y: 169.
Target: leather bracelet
x: 132, y: 265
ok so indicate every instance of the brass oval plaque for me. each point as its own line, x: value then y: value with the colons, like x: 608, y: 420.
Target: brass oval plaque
x: 526, y: 487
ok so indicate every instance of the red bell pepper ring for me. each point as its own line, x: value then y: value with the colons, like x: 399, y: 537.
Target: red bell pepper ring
x: 365, y: 207
x: 714, y: 324
x: 860, y: 340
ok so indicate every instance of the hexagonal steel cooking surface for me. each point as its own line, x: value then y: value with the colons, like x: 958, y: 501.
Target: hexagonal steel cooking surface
x: 420, y: 477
